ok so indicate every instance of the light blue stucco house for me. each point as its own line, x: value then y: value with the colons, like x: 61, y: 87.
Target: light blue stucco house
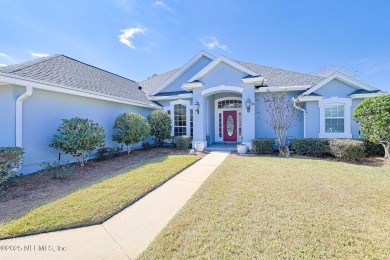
x: 217, y: 99
x: 213, y: 99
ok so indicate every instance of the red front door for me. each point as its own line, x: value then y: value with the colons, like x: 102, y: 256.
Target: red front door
x: 230, y: 126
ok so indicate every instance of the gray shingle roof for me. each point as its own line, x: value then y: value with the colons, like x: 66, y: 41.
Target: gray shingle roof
x: 275, y: 77
x: 68, y: 72
x: 151, y: 84
x: 280, y: 77
x: 363, y: 91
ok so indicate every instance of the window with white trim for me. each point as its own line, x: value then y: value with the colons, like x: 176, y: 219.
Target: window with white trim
x: 179, y: 120
x: 334, y: 118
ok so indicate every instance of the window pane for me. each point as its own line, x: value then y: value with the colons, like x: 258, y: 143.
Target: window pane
x: 179, y: 120
x: 334, y: 125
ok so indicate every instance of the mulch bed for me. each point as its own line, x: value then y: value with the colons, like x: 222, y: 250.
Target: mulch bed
x: 35, y: 189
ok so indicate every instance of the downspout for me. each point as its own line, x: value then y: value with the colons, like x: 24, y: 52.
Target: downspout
x: 304, y: 115
x: 19, y: 119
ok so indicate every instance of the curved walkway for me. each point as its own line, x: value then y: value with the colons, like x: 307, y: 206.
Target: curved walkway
x: 125, y: 235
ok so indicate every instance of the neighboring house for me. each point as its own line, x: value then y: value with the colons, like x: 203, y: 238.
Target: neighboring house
x: 217, y: 99
x: 36, y: 95
x: 213, y: 99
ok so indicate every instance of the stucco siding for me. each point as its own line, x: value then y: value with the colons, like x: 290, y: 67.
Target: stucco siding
x: 7, y: 116
x: 176, y: 85
x: 355, y: 125
x: 223, y: 74
x: 43, y: 113
x: 263, y: 130
x: 335, y: 88
x: 312, y: 119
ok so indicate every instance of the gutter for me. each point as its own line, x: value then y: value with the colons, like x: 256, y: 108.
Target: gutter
x: 304, y: 115
x: 19, y: 119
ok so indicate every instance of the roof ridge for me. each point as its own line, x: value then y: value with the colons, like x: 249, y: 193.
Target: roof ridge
x: 98, y: 68
x: 33, y: 62
x: 281, y: 69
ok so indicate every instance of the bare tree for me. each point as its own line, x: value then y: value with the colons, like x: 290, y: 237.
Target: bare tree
x: 281, y: 116
x: 325, y: 71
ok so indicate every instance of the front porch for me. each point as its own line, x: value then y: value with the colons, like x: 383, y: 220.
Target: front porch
x: 220, y: 146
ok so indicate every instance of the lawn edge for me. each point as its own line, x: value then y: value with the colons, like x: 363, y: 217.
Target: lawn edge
x: 115, y: 213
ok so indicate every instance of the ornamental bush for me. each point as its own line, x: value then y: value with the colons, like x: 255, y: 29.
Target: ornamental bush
x: 129, y: 129
x: 263, y: 146
x: 373, y: 114
x: 347, y: 150
x: 182, y: 142
x: 311, y: 147
x: 78, y: 137
x: 373, y: 149
x: 105, y: 153
x: 10, y: 159
x: 160, y: 126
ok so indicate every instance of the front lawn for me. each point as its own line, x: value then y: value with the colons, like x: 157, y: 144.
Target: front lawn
x: 98, y: 202
x: 272, y: 208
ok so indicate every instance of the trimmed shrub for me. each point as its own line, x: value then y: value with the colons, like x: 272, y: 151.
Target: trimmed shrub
x: 311, y: 147
x: 373, y: 149
x: 10, y: 158
x: 182, y: 142
x: 130, y: 129
x: 78, y: 137
x: 147, y: 146
x: 59, y: 171
x: 105, y: 153
x: 347, y: 150
x: 263, y: 146
x: 160, y: 125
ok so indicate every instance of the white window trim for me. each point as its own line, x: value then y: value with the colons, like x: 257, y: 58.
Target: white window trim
x: 347, y: 117
x: 220, y: 110
x: 188, y: 105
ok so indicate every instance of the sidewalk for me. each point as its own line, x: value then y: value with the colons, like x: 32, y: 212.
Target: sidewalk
x: 125, y: 235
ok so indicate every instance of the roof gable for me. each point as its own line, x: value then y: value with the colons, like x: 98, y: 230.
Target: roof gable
x: 181, y: 71
x: 343, y: 78
x: 216, y: 62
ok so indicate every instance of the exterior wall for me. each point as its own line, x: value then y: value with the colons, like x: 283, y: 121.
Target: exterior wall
x: 7, y: 116
x: 263, y: 130
x: 356, y: 125
x: 335, y: 88
x: 43, y: 113
x: 312, y: 119
x: 176, y: 85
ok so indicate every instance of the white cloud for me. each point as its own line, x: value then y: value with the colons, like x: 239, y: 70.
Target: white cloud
x: 3, y: 65
x: 38, y: 55
x: 2, y: 54
x: 128, y: 34
x: 163, y: 5
x: 212, y: 42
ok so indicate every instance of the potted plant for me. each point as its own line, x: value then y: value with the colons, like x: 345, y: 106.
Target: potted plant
x: 242, y: 148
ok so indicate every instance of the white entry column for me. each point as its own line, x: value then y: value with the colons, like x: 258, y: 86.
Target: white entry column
x: 248, y: 117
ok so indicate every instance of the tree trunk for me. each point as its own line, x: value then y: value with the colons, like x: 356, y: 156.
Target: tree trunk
x: 387, y: 152
x: 284, y: 151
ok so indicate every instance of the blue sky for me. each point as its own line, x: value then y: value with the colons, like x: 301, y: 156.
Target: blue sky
x: 136, y: 39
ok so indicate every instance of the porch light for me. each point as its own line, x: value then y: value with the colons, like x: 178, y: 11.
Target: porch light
x: 248, y: 104
x: 197, y: 106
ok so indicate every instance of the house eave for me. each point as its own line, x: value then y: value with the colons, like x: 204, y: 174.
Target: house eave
x: 190, y: 86
x: 279, y: 89
x: 180, y: 96
x: 368, y: 95
x: 300, y: 99
x: 22, y: 81
x: 256, y: 81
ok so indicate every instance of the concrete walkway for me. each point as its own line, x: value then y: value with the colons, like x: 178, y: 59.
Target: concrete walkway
x: 126, y: 234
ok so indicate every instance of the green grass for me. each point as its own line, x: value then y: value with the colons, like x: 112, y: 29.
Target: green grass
x: 272, y: 208
x: 98, y: 202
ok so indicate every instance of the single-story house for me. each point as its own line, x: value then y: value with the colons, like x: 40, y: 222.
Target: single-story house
x: 211, y: 98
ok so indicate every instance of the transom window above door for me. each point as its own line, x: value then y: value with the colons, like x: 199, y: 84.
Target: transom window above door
x: 229, y: 104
